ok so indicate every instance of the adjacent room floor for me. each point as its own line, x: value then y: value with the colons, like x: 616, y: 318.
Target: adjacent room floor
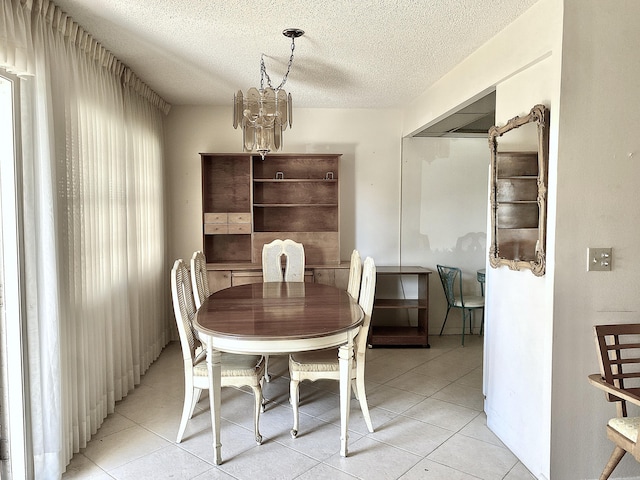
x: 426, y: 407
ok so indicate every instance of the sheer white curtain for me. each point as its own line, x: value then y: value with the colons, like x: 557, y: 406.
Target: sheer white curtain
x: 94, y: 226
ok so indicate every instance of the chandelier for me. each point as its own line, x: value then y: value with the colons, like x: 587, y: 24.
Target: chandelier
x: 264, y: 113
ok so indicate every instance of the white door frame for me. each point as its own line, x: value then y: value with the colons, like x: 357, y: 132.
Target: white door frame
x: 15, y: 450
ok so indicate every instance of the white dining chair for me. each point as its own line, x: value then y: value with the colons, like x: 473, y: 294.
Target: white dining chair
x: 237, y: 370
x: 272, y: 268
x: 355, y: 274
x: 272, y: 261
x: 324, y: 364
x: 199, y: 280
x: 294, y: 253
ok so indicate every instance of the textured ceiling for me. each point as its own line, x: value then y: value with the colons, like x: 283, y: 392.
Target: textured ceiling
x: 354, y: 54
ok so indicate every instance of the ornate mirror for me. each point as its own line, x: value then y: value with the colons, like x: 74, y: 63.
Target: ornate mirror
x: 519, y: 191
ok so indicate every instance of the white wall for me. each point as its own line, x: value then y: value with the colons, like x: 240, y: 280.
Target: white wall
x: 370, y: 141
x: 523, y: 63
x: 597, y: 206
x: 444, y: 215
x: 520, y: 306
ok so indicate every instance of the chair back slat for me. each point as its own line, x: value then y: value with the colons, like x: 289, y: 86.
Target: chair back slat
x: 626, y: 375
x: 355, y: 274
x: 628, y: 345
x: 623, y: 361
x: 199, y: 280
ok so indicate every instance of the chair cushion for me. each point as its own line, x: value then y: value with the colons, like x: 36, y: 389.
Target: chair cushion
x: 471, y: 301
x: 233, y: 365
x: 316, y: 361
x: 627, y: 426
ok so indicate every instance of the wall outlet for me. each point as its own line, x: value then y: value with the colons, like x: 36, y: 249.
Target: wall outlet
x: 598, y: 259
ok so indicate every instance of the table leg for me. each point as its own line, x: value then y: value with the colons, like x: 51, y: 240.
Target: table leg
x: 345, y: 357
x: 214, y: 368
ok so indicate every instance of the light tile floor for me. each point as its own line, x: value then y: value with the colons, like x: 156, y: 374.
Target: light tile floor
x: 426, y: 407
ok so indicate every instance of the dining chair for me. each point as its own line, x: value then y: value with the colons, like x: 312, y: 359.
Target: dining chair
x: 272, y: 268
x: 199, y: 280
x: 619, y: 355
x: 272, y: 261
x: 294, y: 269
x: 236, y: 371
x: 451, y: 279
x: 355, y: 274
x: 324, y: 364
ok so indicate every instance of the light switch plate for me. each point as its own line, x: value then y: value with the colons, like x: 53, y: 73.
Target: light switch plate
x: 598, y: 259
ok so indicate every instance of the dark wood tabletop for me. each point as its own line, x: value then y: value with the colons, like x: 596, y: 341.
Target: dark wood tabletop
x: 278, y: 317
x: 278, y: 311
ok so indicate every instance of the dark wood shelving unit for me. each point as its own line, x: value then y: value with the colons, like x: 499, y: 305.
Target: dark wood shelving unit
x: 382, y: 335
x: 247, y: 202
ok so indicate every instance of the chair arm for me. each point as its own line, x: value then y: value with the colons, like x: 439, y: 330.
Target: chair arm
x: 597, y: 381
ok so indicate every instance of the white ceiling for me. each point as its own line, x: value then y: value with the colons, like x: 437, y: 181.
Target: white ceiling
x: 354, y: 53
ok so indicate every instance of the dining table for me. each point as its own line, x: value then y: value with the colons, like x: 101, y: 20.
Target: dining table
x: 278, y: 318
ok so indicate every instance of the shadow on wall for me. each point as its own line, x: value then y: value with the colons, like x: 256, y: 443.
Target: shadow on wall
x: 469, y: 254
x: 472, y: 243
x: 470, y: 249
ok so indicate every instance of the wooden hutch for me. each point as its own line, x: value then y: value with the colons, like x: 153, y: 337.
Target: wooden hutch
x: 248, y: 201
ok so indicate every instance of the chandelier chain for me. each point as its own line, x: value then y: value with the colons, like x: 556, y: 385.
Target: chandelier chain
x: 263, y: 70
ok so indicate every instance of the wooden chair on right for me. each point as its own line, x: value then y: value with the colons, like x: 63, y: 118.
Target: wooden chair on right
x: 618, y: 349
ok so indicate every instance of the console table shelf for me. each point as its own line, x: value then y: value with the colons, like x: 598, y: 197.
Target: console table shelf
x: 382, y: 335
x: 396, y: 303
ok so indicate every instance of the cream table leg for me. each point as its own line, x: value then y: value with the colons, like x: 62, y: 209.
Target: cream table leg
x: 345, y: 358
x: 214, y: 368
